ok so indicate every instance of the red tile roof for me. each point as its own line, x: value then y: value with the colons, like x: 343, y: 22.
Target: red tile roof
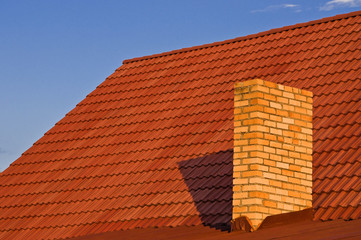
x: 152, y: 145
x: 302, y: 228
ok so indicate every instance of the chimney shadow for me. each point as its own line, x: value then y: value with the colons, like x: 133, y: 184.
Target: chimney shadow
x: 209, y: 180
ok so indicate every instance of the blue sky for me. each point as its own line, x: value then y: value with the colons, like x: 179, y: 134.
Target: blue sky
x: 54, y: 52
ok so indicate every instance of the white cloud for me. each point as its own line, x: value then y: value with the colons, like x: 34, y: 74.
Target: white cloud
x: 271, y: 8
x: 340, y: 3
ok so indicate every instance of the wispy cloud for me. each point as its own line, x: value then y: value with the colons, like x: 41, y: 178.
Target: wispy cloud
x: 330, y: 5
x: 294, y: 7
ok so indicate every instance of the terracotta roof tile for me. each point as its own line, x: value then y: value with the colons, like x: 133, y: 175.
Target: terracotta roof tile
x: 151, y: 146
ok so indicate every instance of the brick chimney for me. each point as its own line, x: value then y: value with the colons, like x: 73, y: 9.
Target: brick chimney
x: 272, y: 163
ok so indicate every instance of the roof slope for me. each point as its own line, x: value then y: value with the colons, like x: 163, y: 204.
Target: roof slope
x: 152, y: 145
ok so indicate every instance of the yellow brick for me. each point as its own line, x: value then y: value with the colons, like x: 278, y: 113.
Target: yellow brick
x: 269, y: 97
x: 306, y: 170
x: 259, y: 181
x: 296, y: 116
x: 269, y: 175
x: 240, y: 209
x: 295, y: 168
x: 252, y: 161
x: 301, y: 149
x: 288, y: 134
x: 281, y: 178
x: 240, y: 195
x: 294, y: 180
x: 240, y: 181
x: 252, y: 148
x: 238, y: 155
x: 306, y: 105
x: 294, y: 154
x: 253, y: 121
x: 270, y: 123
x: 241, y: 103
x: 269, y: 149
x: 274, y: 197
x: 300, y: 123
x: 282, y: 126
x: 300, y: 189
x: 259, y: 128
x: 258, y: 209
x: 275, y: 183
x: 288, y: 94
x: 287, y: 173
x: 300, y: 175
x: 300, y: 97
x: 282, y: 100
x: 301, y: 110
x: 288, y: 207
x: 259, y: 154
x: 306, y: 183
x: 240, y: 116
x: 253, y: 82
x: 236, y: 175
x: 295, y: 102
x: 238, y: 85
x: 269, y: 189
x: 261, y: 115
x: 259, y: 195
x: 282, y: 152
x: 306, y: 130
x: 275, y: 170
x: 259, y: 101
x: 236, y: 188
x: 288, y: 147
x: 259, y: 141
x: 236, y: 202
x: 288, y: 160
x: 281, y: 192
x: 282, y: 113
x: 288, y: 120
x: 251, y: 174
x: 241, y: 129
x: 270, y: 84
x: 276, y: 118
x: 306, y: 118
x: 269, y: 110
x: 307, y: 93
x: 294, y: 194
x: 254, y: 108
x: 276, y: 157
x: 269, y: 162
x: 288, y: 108
x: 259, y: 167
x: 251, y: 201
x: 274, y: 211
x: 240, y: 142
x: 253, y: 135
x: 276, y: 131
x: 276, y: 92
x: 275, y: 105
x: 276, y: 144
x: 268, y: 203
x: 270, y: 137
x: 254, y: 95
x: 240, y: 168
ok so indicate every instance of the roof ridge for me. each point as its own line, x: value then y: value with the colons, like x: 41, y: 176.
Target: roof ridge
x: 255, y: 35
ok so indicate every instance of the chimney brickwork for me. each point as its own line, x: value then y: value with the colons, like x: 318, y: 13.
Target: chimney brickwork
x: 272, y: 150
